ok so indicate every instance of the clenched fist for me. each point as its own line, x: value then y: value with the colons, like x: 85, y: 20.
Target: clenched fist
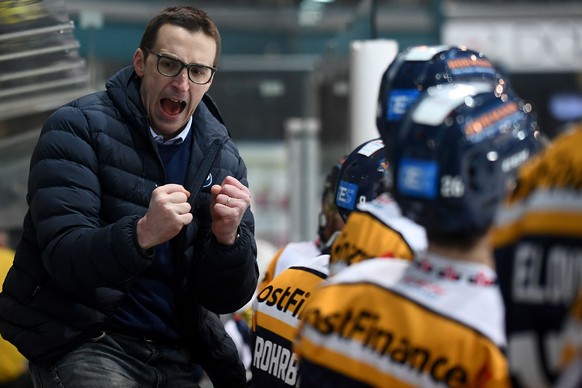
x: 168, y: 212
x: 230, y: 201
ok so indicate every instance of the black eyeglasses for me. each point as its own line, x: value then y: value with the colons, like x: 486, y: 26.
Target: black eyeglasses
x: 171, y: 67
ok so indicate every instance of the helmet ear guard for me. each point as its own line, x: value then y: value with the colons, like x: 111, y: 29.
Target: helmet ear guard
x: 457, y: 151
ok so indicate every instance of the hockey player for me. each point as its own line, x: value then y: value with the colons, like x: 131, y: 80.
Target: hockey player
x: 279, y: 304
x: 377, y: 228
x: 438, y: 320
x: 330, y: 222
x: 538, y: 239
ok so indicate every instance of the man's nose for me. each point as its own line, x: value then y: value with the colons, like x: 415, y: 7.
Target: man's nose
x: 181, y: 80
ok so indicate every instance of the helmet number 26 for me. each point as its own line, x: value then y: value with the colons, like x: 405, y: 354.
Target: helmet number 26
x: 452, y: 186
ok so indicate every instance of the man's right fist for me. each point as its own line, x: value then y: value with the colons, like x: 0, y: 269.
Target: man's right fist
x: 168, y: 212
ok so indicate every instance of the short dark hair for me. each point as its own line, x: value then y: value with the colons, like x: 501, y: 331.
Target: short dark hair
x: 459, y: 240
x: 186, y: 17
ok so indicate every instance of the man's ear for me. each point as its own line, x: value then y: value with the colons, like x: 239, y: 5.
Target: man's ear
x: 139, y: 62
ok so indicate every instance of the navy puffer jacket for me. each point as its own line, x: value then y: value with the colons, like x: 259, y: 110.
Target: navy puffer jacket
x: 91, y: 177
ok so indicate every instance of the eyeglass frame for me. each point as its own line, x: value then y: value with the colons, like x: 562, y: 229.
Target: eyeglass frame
x: 182, y: 66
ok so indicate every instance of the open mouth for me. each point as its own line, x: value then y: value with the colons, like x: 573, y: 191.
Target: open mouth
x: 172, y: 107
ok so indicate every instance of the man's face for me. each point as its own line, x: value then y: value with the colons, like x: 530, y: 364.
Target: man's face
x: 170, y: 101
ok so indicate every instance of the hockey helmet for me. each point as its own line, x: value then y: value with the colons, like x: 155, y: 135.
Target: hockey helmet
x: 419, y: 67
x: 456, y: 153
x: 363, y: 176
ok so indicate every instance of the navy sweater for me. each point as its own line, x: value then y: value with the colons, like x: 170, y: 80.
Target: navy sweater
x: 149, y: 307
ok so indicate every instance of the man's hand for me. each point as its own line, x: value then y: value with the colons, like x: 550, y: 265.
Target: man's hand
x: 229, y: 203
x: 168, y: 212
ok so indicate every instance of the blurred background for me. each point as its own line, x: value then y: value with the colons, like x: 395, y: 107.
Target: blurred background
x: 285, y: 78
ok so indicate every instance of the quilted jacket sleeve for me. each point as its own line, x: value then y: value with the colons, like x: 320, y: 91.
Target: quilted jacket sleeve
x: 65, y: 203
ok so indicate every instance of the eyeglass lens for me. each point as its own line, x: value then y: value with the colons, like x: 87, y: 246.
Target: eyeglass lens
x: 171, y: 67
